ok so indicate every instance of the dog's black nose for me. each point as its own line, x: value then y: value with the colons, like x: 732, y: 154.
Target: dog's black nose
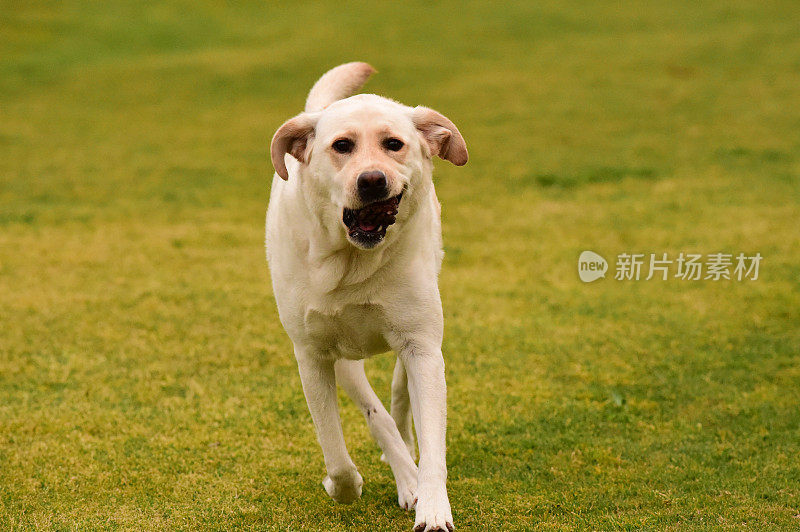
x: 372, y: 185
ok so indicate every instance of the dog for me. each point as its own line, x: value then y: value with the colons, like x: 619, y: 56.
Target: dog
x: 354, y: 245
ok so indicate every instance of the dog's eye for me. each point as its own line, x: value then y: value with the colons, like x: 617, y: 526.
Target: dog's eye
x: 393, y: 144
x: 343, y: 146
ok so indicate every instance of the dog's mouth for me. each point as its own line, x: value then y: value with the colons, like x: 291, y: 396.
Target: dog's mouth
x: 367, y: 225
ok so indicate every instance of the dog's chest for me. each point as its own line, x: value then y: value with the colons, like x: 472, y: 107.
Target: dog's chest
x: 354, y: 332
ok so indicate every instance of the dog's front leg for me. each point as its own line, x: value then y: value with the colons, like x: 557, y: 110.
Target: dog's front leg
x: 428, y: 392
x: 343, y: 482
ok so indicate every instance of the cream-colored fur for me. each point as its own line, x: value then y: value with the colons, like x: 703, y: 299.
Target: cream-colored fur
x: 340, y: 302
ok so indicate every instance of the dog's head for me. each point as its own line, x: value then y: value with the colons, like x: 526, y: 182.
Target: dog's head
x: 367, y: 160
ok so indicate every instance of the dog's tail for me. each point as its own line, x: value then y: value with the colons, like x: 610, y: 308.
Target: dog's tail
x: 337, y: 83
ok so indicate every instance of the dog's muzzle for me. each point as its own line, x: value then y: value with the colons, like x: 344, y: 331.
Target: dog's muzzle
x: 367, y: 226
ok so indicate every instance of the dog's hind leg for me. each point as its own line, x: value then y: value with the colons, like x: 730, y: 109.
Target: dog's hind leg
x: 401, y: 407
x: 351, y: 377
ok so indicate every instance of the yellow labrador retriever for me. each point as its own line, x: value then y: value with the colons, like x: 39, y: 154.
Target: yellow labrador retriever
x: 354, y: 245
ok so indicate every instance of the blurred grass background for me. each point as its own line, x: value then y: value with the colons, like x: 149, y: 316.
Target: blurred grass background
x: 146, y: 383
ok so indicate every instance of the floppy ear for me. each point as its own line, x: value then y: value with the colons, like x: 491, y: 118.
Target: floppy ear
x: 441, y: 134
x: 292, y: 137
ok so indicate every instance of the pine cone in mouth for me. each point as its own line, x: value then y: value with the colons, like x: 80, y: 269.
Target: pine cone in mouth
x: 372, y: 219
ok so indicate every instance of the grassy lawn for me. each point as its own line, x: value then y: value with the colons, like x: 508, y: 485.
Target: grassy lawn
x: 146, y: 383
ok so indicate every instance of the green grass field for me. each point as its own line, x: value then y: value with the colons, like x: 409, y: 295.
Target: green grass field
x: 146, y: 383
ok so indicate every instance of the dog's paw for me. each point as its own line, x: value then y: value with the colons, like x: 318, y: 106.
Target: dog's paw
x: 345, y: 487
x: 438, y: 526
x: 407, y: 489
x: 422, y: 527
x: 433, y: 511
x: 407, y: 498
